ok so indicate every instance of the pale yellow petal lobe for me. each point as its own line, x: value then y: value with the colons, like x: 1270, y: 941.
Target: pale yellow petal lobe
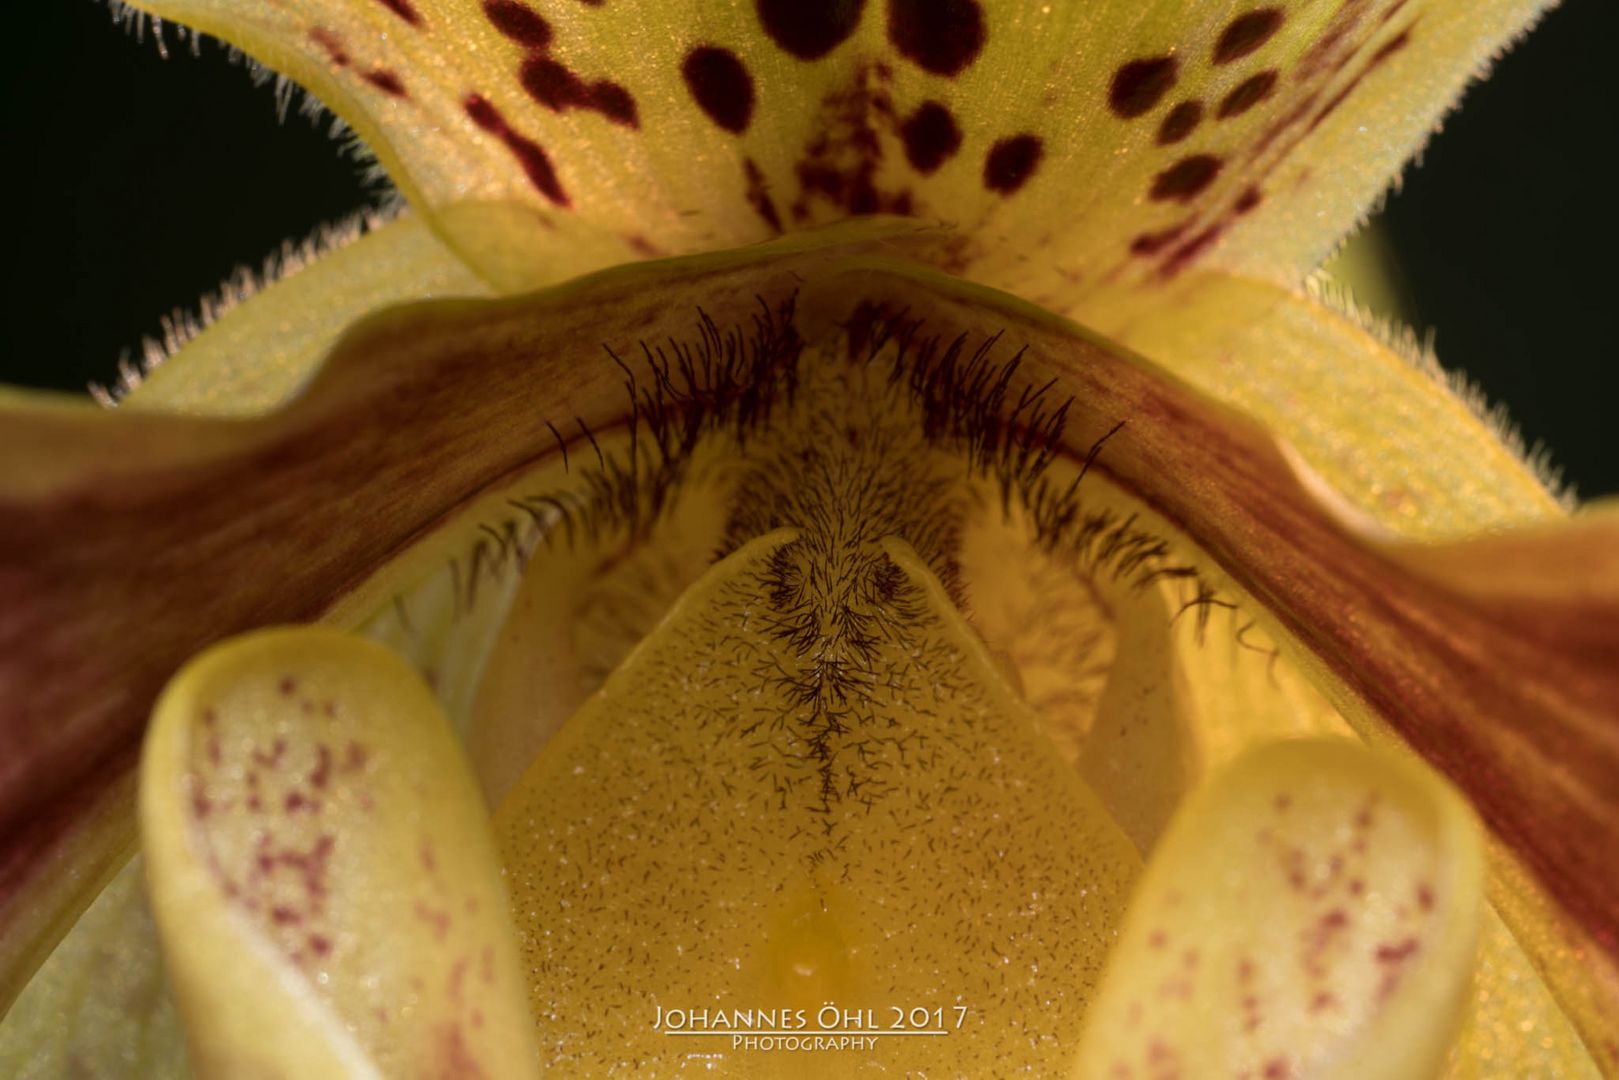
x: 322, y: 872
x: 1312, y: 912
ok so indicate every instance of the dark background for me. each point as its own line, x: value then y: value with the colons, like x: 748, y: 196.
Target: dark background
x: 138, y: 184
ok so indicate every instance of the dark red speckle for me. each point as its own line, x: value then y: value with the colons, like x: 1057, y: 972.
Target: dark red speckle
x: 332, y: 44
x: 1011, y: 162
x: 1150, y: 243
x: 1276, y: 1069
x: 1389, y: 48
x: 530, y: 155
x: 1180, y: 122
x: 322, y: 771
x: 389, y: 84
x: 720, y: 85
x: 1182, y: 256
x: 1249, y: 199
x: 558, y: 89
x: 759, y: 195
x: 1140, y: 85
x: 809, y: 29
x: 1184, y: 179
x: 288, y: 686
x: 1397, y: 953
x: 1246, y: 94
x: 1246, y: 33
x: 931, y: 137
x: 519, y: 22
x: 404, y: 10
x: 941, y: 36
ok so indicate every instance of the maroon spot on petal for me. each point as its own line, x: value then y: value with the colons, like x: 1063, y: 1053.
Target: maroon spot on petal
x: 616, y: 103
x: 931, y: 137
x: 941, y: 36
x: 759, y: 195
x: 332, y: 44
x: 530, y: 155
x: 288, y: 686
x: 1184, y: 179
x: 1180, y: 122
x: 1011, y: 162
x: 1246, y: 33
x: 1389, y: 48
x: 354, y: 757
x: 438, y: 919
x: 1246, y: 94
x: 1140, y: 85
x: 1249, y: 199
x: 389, y: 84
x: 1182, y: 257
x: 320, y: 944
x: 1150, y: 243
x: 1397, y: 953
x: 809, y: 29
x: 720, y: 85
x: 322, y: 772
x: 553, y: 85
x: 403, y: 9
x: 1277, y: 1069
x: 519, y: 22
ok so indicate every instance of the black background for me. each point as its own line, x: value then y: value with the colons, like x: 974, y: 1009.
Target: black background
x: 138, y: 184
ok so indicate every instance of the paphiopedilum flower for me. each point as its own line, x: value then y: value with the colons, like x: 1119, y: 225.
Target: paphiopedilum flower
x: 859, y: 478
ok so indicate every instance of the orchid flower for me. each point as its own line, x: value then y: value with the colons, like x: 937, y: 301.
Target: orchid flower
x: 853, y: 504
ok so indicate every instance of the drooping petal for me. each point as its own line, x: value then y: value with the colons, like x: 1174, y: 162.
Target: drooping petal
x: 284, y: 517
x: 100, y: 1006
x: 752, y: 813
x: 191, y: 529
x: 321, y: 870
x: 1503, y: 680
x: 1151, y: 692
x: 1312, y: 912
x: 1093, y: 149
x: 259, y: 352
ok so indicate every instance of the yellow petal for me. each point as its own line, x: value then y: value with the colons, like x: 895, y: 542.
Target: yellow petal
x: 321, y: 870
x: 100, y: 1006
x: 296, y: 513
x: 1513, y: 1027
x: 1088, y: 150
x: 259, y: 352
x: 1486, y: 687
x: 711, y: 831
x: 1368, y: 413
x: 1313, y: 911
x: 195, y: 528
